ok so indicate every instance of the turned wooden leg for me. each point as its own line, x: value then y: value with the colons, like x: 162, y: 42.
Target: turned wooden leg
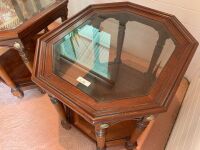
x: 141, y: 125
x: 14, y: 90
x: 46, y: 30
x: 65, y: 14
x: 22, y: 54
x: 100, y: 131
x: 63, y: 18
x: 61, y: 111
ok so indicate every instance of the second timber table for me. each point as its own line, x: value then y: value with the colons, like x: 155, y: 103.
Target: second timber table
x: 20, y: 22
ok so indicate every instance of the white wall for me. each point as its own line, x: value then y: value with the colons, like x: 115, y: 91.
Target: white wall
x: 186, y: 131
x: 77, y: 5
x: 187, y: 11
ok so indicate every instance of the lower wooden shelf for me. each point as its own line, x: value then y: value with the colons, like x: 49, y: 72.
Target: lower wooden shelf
x: 117, y: 134
x: 157, y: 131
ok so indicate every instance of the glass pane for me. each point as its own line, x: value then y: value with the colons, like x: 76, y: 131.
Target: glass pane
x: 113, y: 56
x: 15, y: 12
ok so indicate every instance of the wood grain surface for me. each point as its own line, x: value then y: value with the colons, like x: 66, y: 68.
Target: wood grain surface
x: 33, y: 124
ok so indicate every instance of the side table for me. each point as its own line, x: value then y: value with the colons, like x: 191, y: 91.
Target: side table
x: 114, y: 67
x: 20, y: 21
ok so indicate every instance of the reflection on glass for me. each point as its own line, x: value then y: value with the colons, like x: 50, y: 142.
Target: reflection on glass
x: 113, y: 56
x: 75, y: 47
x: 15, y: 12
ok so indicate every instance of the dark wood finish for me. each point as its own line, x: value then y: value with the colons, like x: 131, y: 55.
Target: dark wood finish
x: 16, y: 69
x: 61, y: 111
x: 22, y: 39
x: 116, y: 134
x: 100, y: 132
x: 140, y: 126
x: 5, y: 77
x: 103, y: 114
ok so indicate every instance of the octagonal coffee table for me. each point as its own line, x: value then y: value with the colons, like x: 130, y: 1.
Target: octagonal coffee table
x: 114, y: 66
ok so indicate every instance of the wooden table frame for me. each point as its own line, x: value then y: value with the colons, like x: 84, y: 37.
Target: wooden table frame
x: 142, y: 109
x: 19, y: 37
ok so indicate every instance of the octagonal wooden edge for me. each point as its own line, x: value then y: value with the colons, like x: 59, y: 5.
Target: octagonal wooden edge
x: 159, y: 96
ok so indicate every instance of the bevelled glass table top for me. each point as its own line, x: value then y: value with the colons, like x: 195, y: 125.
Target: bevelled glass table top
x: 113, y: 55
x: 14, y: 12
